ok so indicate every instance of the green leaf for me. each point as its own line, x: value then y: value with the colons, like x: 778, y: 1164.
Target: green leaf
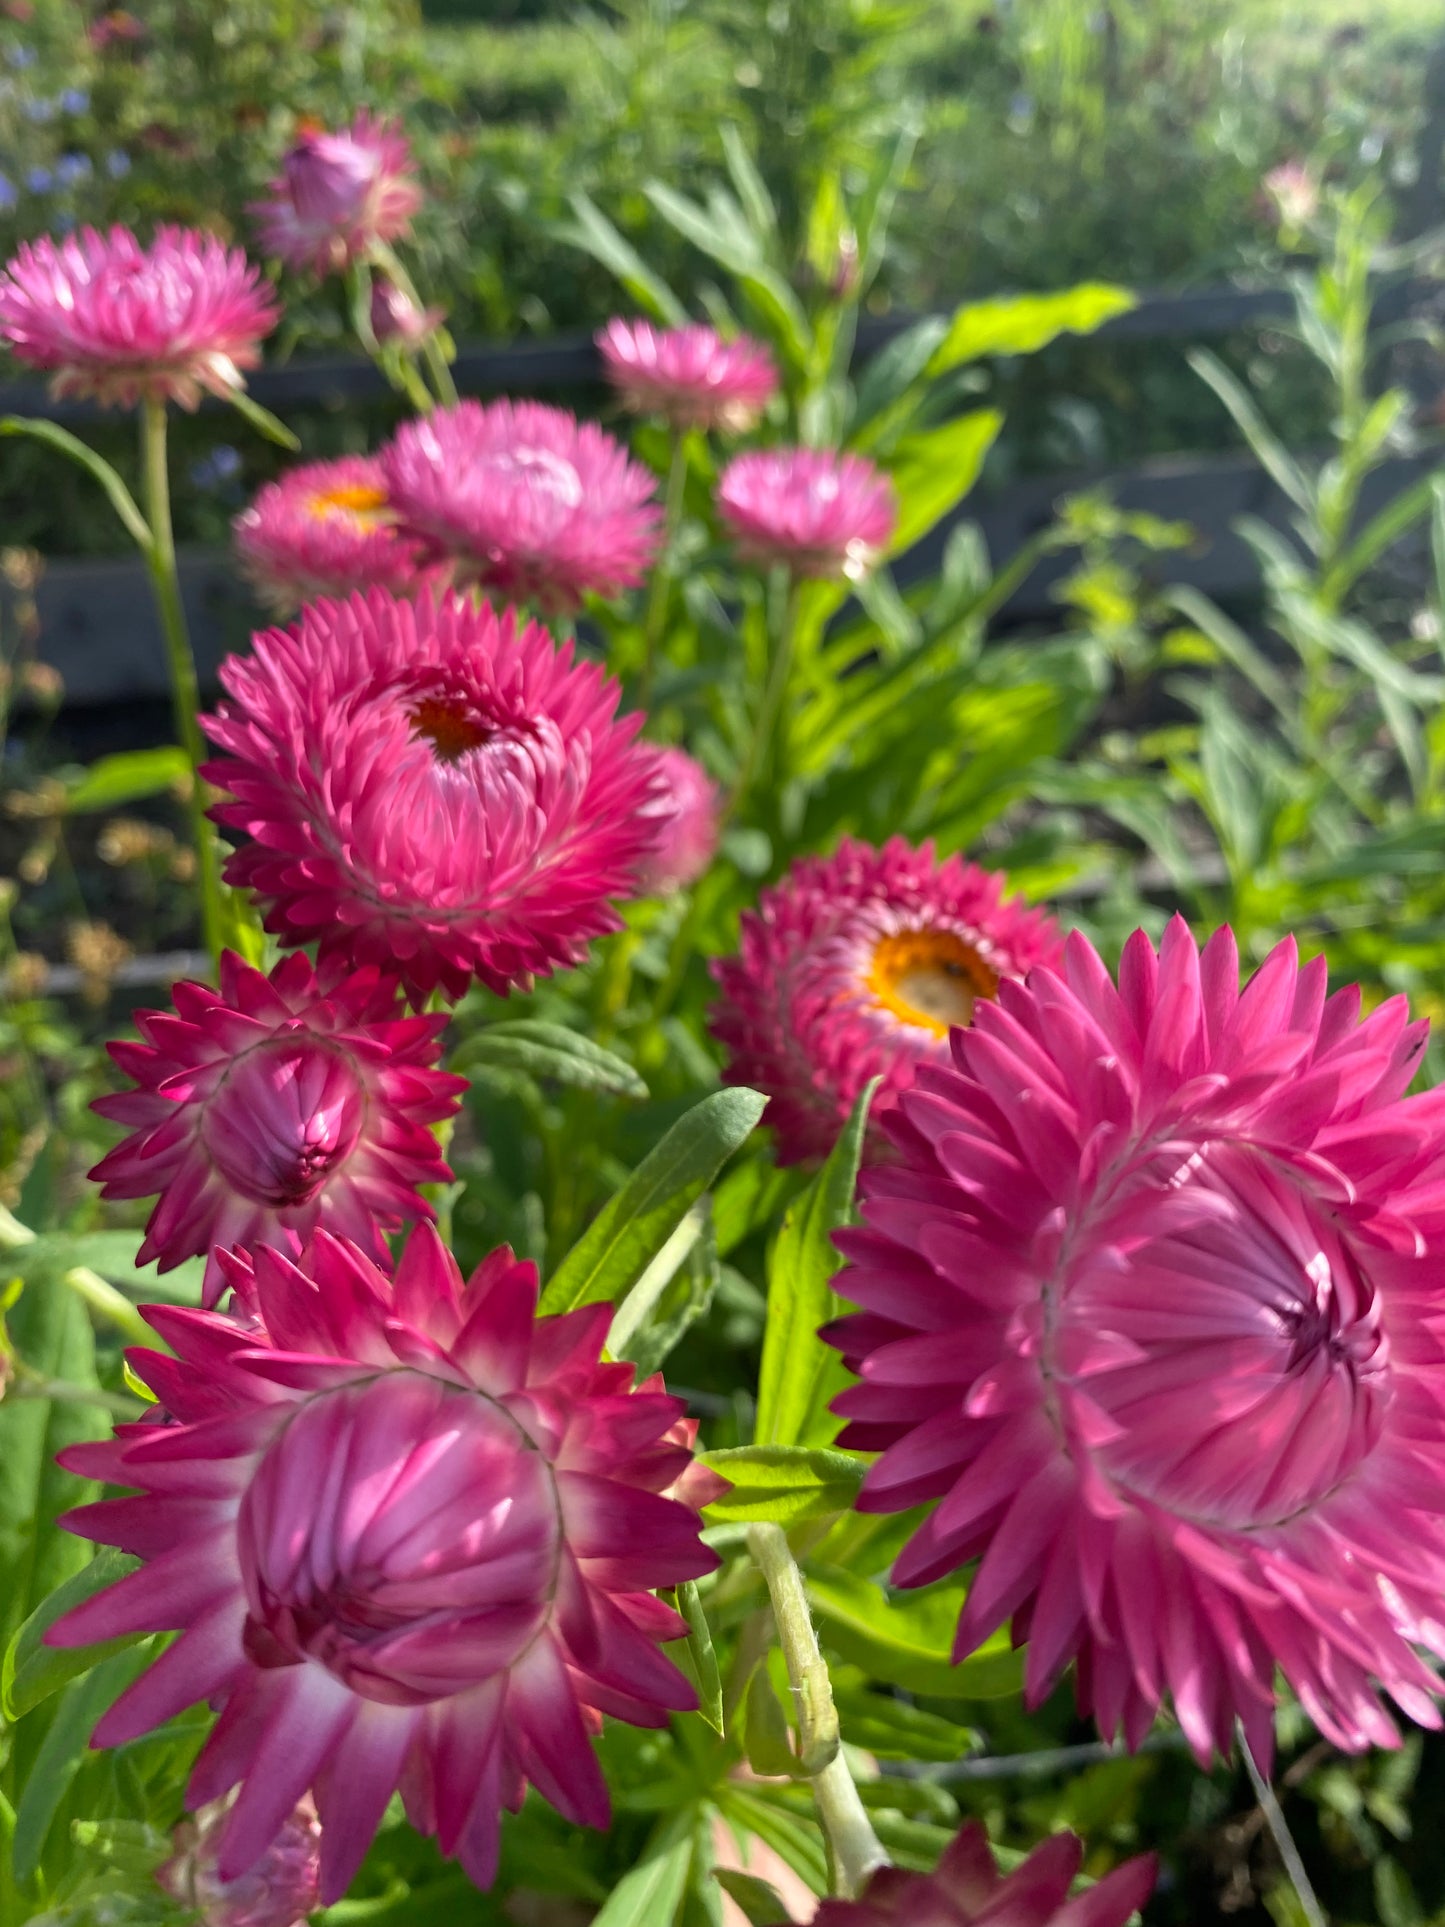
x: 1023, y: 324
x: 892, y: 1729
x: 63, y: 1750
x: 908, y: 1641
x: 653, y: 1318
x: 697, y: 1657
x: 634, y: 1225
x: 651, y: 1894
x: 933, y: 470
x: 262, y: 420
x: 60, y: 439
x: 596, y: 235
x: 799, y: 1373
x: 128, y: 777
x: 755, y: 1897
x: 895, y: 368
x: 765, y: 1729
x: 32, y: 1671
x: 551, y: 1051
x: 763, y: 1811
x: 1274, y: 458
x: 748, y: 183
x: 787, y: 1484
x: 49, y: 1329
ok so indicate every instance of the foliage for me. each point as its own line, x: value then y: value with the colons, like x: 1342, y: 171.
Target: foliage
x: 1292, y: 781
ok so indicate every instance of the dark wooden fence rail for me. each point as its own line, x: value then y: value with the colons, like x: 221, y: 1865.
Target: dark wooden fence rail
x: 98, y: 626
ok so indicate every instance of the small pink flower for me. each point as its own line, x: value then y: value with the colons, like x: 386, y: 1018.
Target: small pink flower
x: 411, y: 1536
x: 432, y: 788
x: 1293, y: 190
x: 855, y: 966
x: 966, y: 1889
x: 814, y: 512
x: 279, y: 1891
x: 1152, y: 1310
x: 396, y: 317
x: 690, y: 376
x: 324, y: 529
x: 124, y: 323
x: 273, y: 1106
x: 337, y: 195
x: 687, y: 810
x: 532, y: 503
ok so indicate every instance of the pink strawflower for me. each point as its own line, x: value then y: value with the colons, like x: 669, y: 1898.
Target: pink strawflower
x: 273, y: 1106
x: 533, y: 503
x: 687, y: 813
x: 690, y: 376
x: 854, y: 966
x: 337, y: 195
x: 396, y: 317
x: 412, y: 1534
x: 1153, y: 1308
x: 122, y: 323
x: 814, y: 512
x: 281, y: 1889
x: 324, y: 529
x: 966, y: 1889
x: 431, y: 787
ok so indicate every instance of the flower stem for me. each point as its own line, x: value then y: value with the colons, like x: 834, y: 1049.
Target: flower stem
x: 659, y: 594
x: 758, y: 756
x: 1289, y: 1853
x: 160, y: 559
x: 436, y: 361
x: 854, y: 1849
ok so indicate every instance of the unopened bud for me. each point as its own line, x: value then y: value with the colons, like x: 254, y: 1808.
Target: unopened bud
x: 396, y: 317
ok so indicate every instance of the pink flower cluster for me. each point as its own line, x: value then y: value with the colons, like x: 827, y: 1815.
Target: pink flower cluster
x: 411, y: 1537
x: 125, y: 323
x: 327, y: 528
x: 338, y: 195
x: 689, y: 376
x: 856, y: 966
x: 1152, y: 1324
x: 431, y: 788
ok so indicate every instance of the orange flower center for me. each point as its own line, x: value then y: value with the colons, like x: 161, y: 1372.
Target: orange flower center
x: 447, y: 727
x: 931, y: 978
x: 357, y: 502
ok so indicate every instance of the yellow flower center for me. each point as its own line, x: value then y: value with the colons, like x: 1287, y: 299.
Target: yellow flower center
x: 931, y: 978
x: 355, y: 501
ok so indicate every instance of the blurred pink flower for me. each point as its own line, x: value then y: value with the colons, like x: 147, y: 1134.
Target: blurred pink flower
x: 338, y: 194
x: 432, y: 788
x: 1152, y: 1310
x: 690, y: 376
x: 327, y: 528
x: 411, y: 1536
x: 273, y: 1106
x: 815, y: 512
x: 687, y: 809
x: 532, y: 503
x: 281, y: 1890
x: 854, y: 966
x: 124, y: 323
x: 1293, y: 189
x: 966, y: 1889
x: 396, y: 317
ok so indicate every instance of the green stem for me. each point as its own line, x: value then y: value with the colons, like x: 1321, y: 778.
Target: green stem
x: 758, y: 757
x: 1289, y: 1853
x: 436, y: 361
x: 854, y: 1849
x: 659, y: 594
x: 110, y: 1304
x: 60, y: 1391
x: 160, y: 559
